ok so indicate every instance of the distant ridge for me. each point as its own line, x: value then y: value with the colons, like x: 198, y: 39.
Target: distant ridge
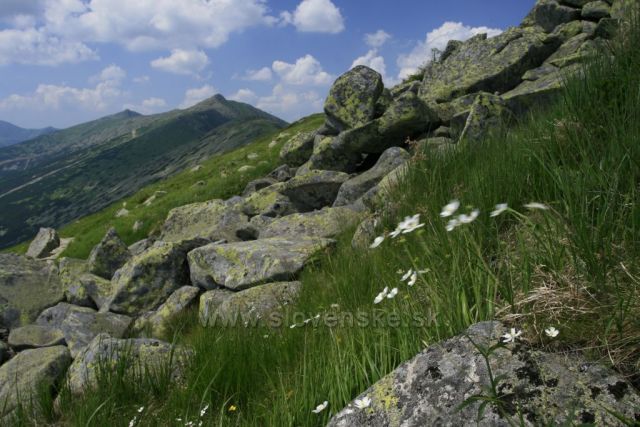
x: 11, y: 134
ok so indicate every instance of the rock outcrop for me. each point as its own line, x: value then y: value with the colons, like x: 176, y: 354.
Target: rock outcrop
x: 44, y: 243
x: 108, y: 255
x: 155, y: 323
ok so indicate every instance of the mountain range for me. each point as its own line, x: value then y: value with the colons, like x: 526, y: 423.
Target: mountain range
x: 55, y: 178
x: 11, y: 134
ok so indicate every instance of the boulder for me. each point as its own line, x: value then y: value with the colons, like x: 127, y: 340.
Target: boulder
x: 378, y: 197
x: 5, y: 352
x: 328, y: 222
x: 342, y: 152
x: 258, y: 184
x: 148, y: 279
x: 314, y: 190
x: 298, y: 149
x: 255, y: 226
x: 407, y: 116
x: 412, y: 86
x: 27, y: 287
x: 596, y: 10
x: 282, y: 173
x: 209, y: 303
x: 206, y: 222
x: 575, y: 3
x: 140, y: 246
x: 490, y: 65
x: 487, y: 113
x: 239, y: 266
x: 354, y: 188
x: 261, y: 304
x: 365, y: 233
x: 31, y: 371
x: 108, y: 255
x: 154, y: 323
x: 35, y: 336
x: 81, y: 287
x: 560, y: 389
x: 44, y: 243
x: 352, y: 98
x: 268, y: 202
x: 548, y: 14
x: 135, y: 357
x: 569, y: 52
x: 79, y: 325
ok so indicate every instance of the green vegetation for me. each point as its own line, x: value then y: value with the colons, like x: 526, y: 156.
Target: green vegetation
x: 572, y: 266
x: 216, y: 178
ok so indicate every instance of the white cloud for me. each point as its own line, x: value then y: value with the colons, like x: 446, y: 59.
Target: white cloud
x: 111, y: 73
x: 36, y: 47
x: 11, y: 8
x: 437, y: 39
x: 377, y: 39
x: 290, y: 103
x: 142, y: 79
x: 305, y: 71
x: 262, y: 75
x: 187, y: 62
x: 244, y: 95
x: 193, y: 96
x: 315, y: 16
x: 148, y: 106
x: 374, y: 60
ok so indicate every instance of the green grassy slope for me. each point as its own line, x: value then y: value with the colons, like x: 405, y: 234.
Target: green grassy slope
x: 573, y: 266
x: 57, y: 178
x: 217, y: 177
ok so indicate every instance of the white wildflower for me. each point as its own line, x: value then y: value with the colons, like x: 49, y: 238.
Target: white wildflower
x: 551, y: 332
x: 382, y: 295
x: 363, y: 403
x: 321, y: 407
x: 377, y: 242
x: 536, y: 205
x: 392, y: 293
x: 467, y: 219
x: 140, y: 409
x: 411, y: 224
x: 452, y: 224
x: 407, y: 275
x: 133, y: 422
x: 450, y: 209
x: 511, y: 336
x: 499, y: 209
x: 414, y: 279
x: 204, y: 411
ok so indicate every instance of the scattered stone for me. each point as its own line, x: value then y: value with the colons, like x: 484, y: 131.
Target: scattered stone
x: 44, y: 243
x: 27, y: 287
x: 281, y: 174
x: 108, y: 255
x: 268, y: 202
x: 153, y: 198
x: 328, y: 222
x: 258, y: 184
x: 314, y: 190
x: 354, y: 188
x: 122, y: 213
x: 137, y: 226
x: 140, y: 246
x: 252, y: 156
x: 428, y: 389
x: 155, y: 323
x: 242, y: 265
x: 298, y: 149
x: 141, y: 356
x: 35, y: 336
x: 30, y: 372
x: 196, y: 168
x: 352, y: 98
x: 79, y: 325
x: 246, y: 168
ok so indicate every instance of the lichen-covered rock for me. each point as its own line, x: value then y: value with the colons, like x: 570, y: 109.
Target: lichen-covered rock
x: 35, y: 336
x: 378, y: 197
x: 355, y: 187
x: 429, y: 389
x: 298, y: 149
x: 596, y: 10
x: 282, y: 173
x: 490, y: 65
x: 108, y: 255
x: 5, y: 352
x: 268, y: 202
x: 147, y: 280
x: 31, y: 371
x: 548, y: 14
x: 569, y: 52
x: 89, y: 290
x: 136, y: 356
x: 258, y: 184
x: 206, y: 222
x: 487, y: 112
x: 27, y: 287
x: 140, y: 246
x: 209, y: 303
x: 406, y: 116
x: 261, y: 304
x: 242, y: 265
x: 365, y: 233
x: 352, y: 98
x: 328, y: 222
x: 44, y: 243
x: 412, y: 86
x: 79, y: 325
x: 255, y: 226
x: 155, y: 323
x: 344, y: 152
x: 314, y: 190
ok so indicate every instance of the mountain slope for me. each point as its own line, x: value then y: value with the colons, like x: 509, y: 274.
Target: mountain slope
x: 11, y: 134
x: 56, y: 178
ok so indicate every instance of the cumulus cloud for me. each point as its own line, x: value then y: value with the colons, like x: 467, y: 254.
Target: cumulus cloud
x: 374, y: 60
x: 437, y: 39
x: 377, y: 39
x: 187, y: 62
x: 262, y: 75
x: 195, y: 95
x: 111, y: 73
x: 244, y: 95
x: 11, y: 8
x: 315, y: 16
x: 290, y: 103
x: 305, y: 71
x: 148, y: 106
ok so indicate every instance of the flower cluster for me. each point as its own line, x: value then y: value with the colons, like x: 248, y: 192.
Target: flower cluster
x: 386, y: 293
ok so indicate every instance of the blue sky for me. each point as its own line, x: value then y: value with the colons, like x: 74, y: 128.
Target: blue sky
x: 63, y: 62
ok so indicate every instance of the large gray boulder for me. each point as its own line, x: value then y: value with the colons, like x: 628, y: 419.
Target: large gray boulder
x: 406, y: 116
x: 596, y: 10
x: 79, y: 325
x: 242, y: 265
x: 81, y: 287
x: 549, y: 14
x: 260, y: 305
x: 209, y: 303
x: 488, y: 112
x: 487, y: 64
x: 155, y: 324
x: 27, y: 287
x: 31, y: 371
x: 208, y: 221
x: 328, y: 222
x: 298, y: 149
x: 45, y: 242
x: 108, y: 255
x: 258, y: 184
x: 352, y: 98
x: 314, y: 190
x: 560, y: 389
x: 355, y: 187
x: 269, y: 202
x: 135, y: 356
x: 35, y: 336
